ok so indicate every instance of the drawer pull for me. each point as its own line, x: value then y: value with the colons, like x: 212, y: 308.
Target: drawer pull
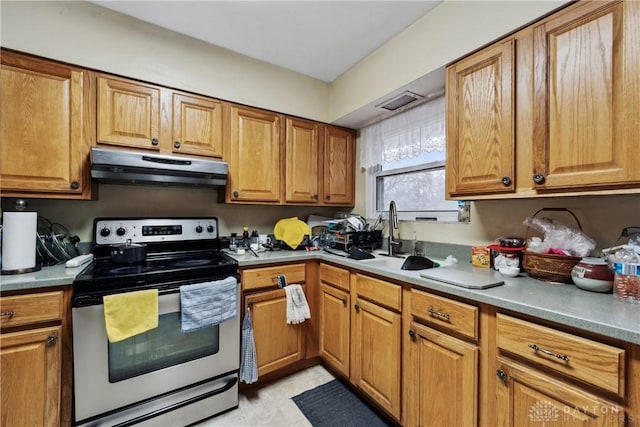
x: 8, y: 314
x: 51, y: 340
x: 344, y: 302
x: 439, y: 314
x: 549, y: 353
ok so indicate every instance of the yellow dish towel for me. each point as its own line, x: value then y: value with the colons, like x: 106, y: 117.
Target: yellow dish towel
x: 291, y: 231
x: 130, y: 313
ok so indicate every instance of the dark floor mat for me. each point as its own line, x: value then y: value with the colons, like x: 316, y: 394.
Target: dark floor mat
x: 334, y: 404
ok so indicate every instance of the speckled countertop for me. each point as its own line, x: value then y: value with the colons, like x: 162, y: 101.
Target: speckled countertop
x: 56, y: 275
x: 562, y: 304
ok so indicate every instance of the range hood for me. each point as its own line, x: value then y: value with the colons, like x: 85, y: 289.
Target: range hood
x: 129, y: 167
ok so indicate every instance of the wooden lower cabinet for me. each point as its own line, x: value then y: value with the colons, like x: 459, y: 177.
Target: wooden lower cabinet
x: 278, y: 344
x: 35, y: 359
x: 334, y: 327
x: 375, y: 354
x: 31, y: 377
x: 443, y: 388
x: 526, y: 396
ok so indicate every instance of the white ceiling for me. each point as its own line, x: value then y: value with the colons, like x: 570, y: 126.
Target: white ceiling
x: 321, y: 39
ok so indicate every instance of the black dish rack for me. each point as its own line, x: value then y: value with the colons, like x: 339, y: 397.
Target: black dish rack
x: 365, y: 240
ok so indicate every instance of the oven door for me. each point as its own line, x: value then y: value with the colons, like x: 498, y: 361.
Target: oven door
x: 159, y: 374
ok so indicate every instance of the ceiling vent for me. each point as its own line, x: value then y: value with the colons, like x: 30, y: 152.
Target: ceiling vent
x: 400, y: 101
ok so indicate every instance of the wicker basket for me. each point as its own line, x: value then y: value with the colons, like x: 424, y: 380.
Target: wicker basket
x: 550, y: 267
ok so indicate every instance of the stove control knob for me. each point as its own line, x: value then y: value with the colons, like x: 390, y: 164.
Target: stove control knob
x: 121, y: 231
x: 199, y: 229
x: 210, y: 228
x: 105, y: 232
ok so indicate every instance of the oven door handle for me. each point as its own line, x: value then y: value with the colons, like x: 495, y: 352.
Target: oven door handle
x: 86, y: 300
x: 227, y: 386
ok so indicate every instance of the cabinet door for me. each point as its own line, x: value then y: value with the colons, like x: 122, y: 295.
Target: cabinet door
x: 480, y: 122
x: 254, y: 156
x: 335, y: 327
x: 44, y: 128
x: 30, y: 380
x: 128, y: 113
x: 444, y: 381
x: 197, y: 125
x: 375, y: 364
x: 338, y: 166
x: 278, y: 344
x: 584, y: 133
x: 301, y: 154
x: 527, y: 397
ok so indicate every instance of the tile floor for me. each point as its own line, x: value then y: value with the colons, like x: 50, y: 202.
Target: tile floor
x: 271, y: 405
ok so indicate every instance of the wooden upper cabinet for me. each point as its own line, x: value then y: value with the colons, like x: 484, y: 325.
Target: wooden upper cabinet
x: 338, y: 154
x: 302, y: 144
x: 254, y: 156
x: 45, y: 128
x: 128, y: 113
x: 480, y: 122
x: 197, y: 125
x: 586, y: 97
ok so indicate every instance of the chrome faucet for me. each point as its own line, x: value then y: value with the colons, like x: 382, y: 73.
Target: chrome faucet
x: 393, y: 225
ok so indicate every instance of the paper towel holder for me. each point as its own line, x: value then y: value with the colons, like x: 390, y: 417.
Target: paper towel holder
x: 20, y: 206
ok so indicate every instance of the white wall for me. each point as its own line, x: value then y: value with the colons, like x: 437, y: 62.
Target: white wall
x: 451, y: 30
x: 91, y: 36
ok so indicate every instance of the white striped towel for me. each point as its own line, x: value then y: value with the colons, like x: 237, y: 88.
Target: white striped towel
x: 208, y: 303
x: 297, y: 307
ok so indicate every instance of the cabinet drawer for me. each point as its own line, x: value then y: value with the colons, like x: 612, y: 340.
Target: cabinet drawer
x: 335, y: 276
x: 379, y: 291
x: 589, y: 361
x: 449, y: 314
x: 255, y: 278
x: 22, y: 310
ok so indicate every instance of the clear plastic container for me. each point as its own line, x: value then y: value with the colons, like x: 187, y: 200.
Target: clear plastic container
x: 626, y: 282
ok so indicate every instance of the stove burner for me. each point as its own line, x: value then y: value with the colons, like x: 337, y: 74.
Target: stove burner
x: 193, y: 262
x: 128, y: 269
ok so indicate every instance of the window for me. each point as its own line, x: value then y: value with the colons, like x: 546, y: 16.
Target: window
x: 404, y: 156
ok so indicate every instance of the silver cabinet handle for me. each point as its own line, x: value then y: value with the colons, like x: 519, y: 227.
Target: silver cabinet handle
x: 439, y: 314
x: 51, y: 340
x: 8, y: 314
x: 549, y: 353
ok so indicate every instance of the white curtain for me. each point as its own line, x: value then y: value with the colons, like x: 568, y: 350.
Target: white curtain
x: 407, y: 134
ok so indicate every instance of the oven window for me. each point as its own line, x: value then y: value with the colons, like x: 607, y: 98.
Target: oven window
x: 160, y: 348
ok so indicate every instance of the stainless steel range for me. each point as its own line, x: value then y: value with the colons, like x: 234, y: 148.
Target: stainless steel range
x: 162, y: 376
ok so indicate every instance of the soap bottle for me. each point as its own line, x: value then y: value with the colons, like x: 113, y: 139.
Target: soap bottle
x: 245, y: 236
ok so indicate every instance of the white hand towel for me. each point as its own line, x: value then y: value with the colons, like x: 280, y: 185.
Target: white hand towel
x: 297, y: 306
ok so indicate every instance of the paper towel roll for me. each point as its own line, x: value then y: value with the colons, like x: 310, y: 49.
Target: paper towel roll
x: 19, y: 241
